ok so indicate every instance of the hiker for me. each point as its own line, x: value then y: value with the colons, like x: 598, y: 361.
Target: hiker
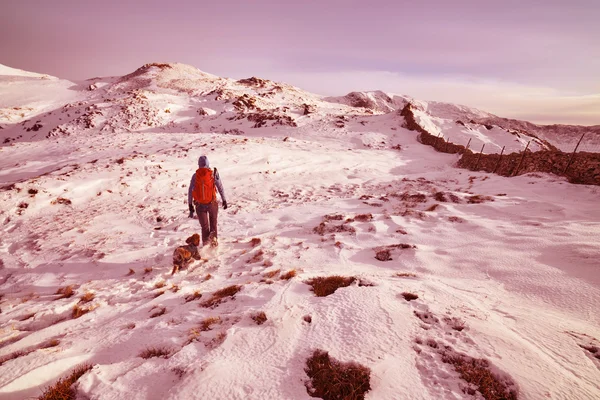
x: 203, y: 196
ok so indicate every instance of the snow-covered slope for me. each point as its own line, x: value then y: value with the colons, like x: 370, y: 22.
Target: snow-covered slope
x: 505, y: 270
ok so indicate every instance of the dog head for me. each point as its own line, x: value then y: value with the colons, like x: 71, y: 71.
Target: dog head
x: 194, y: 239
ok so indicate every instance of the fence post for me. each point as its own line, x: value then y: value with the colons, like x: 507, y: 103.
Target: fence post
x: 500, y: 159
x: 468, y: 143
x: 521, y: 161
x: 573, y: 155
x: 477, y: 163
x: 437, y: 139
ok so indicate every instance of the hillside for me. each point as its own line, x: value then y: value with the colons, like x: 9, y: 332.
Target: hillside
x: 451, y: 275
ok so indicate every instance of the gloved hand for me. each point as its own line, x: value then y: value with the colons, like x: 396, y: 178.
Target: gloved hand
x: 224, y: 205
x: 191, y: 211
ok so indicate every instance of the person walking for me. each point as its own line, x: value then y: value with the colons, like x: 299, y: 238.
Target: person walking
x: 202, y: 197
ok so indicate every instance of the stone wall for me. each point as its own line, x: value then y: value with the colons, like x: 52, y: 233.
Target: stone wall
x: 584, y: 168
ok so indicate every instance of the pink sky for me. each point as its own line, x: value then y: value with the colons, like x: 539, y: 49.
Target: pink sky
x: 536, y: 60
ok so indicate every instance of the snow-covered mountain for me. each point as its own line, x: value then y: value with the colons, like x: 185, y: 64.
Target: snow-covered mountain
x: 451, y: 275
x: 163, y: 97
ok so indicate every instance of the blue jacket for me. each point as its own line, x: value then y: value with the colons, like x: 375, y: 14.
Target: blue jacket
x: 203, y: 163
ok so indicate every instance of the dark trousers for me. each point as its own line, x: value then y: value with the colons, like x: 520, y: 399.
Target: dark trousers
x: 208, y: 215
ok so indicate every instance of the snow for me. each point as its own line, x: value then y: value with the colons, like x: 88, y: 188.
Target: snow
x: 517, y: 265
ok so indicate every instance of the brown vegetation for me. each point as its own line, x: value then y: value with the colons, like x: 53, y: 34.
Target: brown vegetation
x: 159, y: 312
x: 271, y: 274
x: 260, y: 317
x: 476, y: 371
x: 65, y: 292
x: 288, y: 275
x: 221, y: 295
x: 62, y: 389
x: 324, y: 286
x: 194, y: 296
x: 87, y: 297
x: 409, y: 296
x: 150, y: 352
x: 333, y: 380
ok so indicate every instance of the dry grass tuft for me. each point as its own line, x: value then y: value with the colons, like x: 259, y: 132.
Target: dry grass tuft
x: 220, y: 295
x: 27, y: 316
x: 405, y: 275
x: 207, y: 277
x: 324, y: 286
x: 260, y: 317
x: 255, y: 242
x: 257, y: 257
x: 194, y: 296
x: 409, y: 296
x: 159, y: 284
x: 87, y: 297
x: 159, y: 312
x: 158, y: 294
x: 147, y: 270
x: 50, y: 343
x: 174, y: 287
x: 271, y: 274
x: 333, y: 380
x: 62, y: 389
x: 477, y: 199
x: 131, y: 272
x: 150, y: 352
x: 288, y: 275
x: 217, y: 340
x: 364, y: 217
x: 207, y: 323
x: 476, y: 371
x: 432, y: 208
x: 14, y: 355
x: 65, y: 292
x: 79, y: 311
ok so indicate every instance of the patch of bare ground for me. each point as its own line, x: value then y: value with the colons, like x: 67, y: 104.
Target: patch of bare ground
x: 62, y: 389
x: 384, y: 253
x: 364, y: 217
x: 325, y: 285
x: 413, y: 197
x: 259, y: 317
x: 444, y: 197
x: 255, y: 242
x: 409, y: 296
x: 160, y: 351
x: 221, y: 295
x: 477, y: 199
x: 331, y: 379
x: 454, y: 219
x: 288, y: 275
x: 329, y: 226
x: 477, y: 373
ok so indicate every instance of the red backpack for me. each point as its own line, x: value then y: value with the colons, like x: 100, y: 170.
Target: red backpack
x: 204, y: 188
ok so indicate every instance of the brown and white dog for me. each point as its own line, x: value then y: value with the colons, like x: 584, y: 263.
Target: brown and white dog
x: 184, y: 255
